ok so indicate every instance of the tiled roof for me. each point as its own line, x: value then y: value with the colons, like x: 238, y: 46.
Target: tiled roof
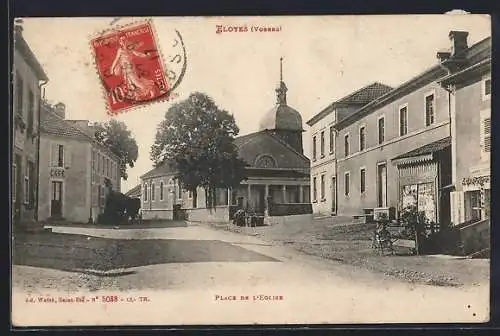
x: 53, y: 124
x: 135, y: 191
x: 250, y: 147
x: 427, y: 149
x: 366, y: 94
x: 163, y: 169
x: 358, y: 98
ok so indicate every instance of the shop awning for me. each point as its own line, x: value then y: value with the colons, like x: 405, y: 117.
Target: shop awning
x: 422, y: 154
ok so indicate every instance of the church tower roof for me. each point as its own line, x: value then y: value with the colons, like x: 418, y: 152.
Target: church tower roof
x: 281, y: 116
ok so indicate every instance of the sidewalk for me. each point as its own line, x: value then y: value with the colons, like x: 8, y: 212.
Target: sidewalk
x: 350, y: 244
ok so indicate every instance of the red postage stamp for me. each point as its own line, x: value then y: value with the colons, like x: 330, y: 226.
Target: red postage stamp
x: 130, y: 66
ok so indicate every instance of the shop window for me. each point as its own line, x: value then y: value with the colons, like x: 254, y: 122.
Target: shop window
x: 422, y: 196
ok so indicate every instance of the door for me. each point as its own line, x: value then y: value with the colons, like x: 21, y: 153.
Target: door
x: 334, y: 195
x: 382, y: 185
x: 56, y: 202
x: 18, y: 187
x: 262, y: 199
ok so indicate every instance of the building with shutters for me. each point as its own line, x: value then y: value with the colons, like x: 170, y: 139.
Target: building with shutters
x: 28, y: 77
x: 73, y: 169
x: 469, y: 84
x: 402, y: 148
x: 277, y: 176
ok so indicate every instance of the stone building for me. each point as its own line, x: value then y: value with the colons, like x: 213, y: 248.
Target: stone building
x: 322, y: 130
x: 73, y: 169
x: 469, y: 84
x: 277, y: 176
x: 29, y: 77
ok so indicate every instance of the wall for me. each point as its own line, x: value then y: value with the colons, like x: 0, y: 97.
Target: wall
x: 25, y: 144
x: 323, y: 165
x: 394, y: 145
x: 284, y: 220
x: 469, y: 103
x: 290, y: 209
x: 218, y: 215
x: 158, y: 214
x: 75, y: 203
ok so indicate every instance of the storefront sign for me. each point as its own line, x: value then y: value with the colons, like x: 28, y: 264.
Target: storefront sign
x: 57, y: 172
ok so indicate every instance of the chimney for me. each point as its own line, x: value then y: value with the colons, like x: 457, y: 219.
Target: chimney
x: 458, y: 41
x: 60, y: 110
x: 443, y: 56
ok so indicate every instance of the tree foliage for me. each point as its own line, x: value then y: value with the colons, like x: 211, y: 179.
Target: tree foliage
x: 197, y: 139
x: 117, y: 137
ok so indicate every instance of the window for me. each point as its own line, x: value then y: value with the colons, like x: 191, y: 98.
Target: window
x: 195, y: 199
x: 347, y: 183
x: 19, y: 94
x: 362, y: 180
x: 153, y: 189
x: 161, y: 191
x: 485, y: 134
x: 14, y: 181
x: 27, y: 186
x: 179, y: 189
x: 32, y: 183
x: 103, y: 165
x: 332, y: 139
x: 403, y: 120
x: 381, y: 130
x: 60, y: 155
x: 145, y: 192
x: 99, y: 163
x: 315, y: 192
x: 486, y: 88
x: 362, y: 138
x: 190, y: 194
x: 346, y: 145
x: 31, y: 111
x: 314, y: 148
x: 322, y: 145
x: 322, y: 187
x: 234, y: 197
x: 429, y: 110
x: 93, y: 166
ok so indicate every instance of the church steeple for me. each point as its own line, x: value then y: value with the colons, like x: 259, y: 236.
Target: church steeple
x: 281, y: 89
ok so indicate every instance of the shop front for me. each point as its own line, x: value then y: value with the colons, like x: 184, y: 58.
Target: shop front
x: 424, y: 179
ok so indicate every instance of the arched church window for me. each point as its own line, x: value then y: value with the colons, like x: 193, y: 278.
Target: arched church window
x: 265, y: 161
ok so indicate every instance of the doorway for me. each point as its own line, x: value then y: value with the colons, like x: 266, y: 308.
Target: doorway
x: 56, y: 201
x: 334, y: 195
x: 382, y: 185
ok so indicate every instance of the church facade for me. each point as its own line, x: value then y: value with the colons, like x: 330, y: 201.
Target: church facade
x: 277, y: 180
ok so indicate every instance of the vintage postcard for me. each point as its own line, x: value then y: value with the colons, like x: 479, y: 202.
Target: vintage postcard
x: 251, y: 170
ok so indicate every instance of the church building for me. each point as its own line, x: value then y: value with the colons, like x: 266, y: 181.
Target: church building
x: 277, y: 180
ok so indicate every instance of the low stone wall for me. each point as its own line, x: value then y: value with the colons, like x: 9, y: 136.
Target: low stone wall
x: 286, y: 209
x: 218, y: 215
x: 157, y: 214
x: 273, y: 220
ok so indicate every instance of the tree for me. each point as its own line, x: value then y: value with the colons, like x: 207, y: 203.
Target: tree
x: 197, y: 139
x: 116, y: 136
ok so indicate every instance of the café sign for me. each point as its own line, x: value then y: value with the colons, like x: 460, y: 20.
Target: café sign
x: 57, y: 172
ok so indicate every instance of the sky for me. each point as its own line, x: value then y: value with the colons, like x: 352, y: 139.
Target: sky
x: 325, y: 58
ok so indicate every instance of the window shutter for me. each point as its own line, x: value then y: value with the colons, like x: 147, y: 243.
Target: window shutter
x: 485, y: 134
x: 67, y: 156
x: 54, y: 154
